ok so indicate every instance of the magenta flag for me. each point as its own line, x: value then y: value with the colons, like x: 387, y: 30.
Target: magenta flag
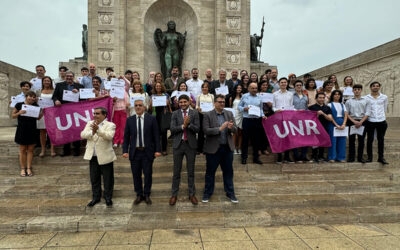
x: 294, y: 129
x: 65, y: 123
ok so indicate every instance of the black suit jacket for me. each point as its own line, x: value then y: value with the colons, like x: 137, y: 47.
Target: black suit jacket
x: 59, y: 91
x: 191, y: 130
x: 151, y: 136
x: 217, y: 84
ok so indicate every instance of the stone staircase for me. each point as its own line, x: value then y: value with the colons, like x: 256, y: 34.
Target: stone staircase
x: 288, y: 194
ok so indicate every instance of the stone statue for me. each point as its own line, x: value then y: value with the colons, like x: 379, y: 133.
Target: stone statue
x: 170, y: 45
x: 255, y: 41
x: 85, y: 42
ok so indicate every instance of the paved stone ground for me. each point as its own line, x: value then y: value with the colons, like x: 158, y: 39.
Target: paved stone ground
x: 358, y: 236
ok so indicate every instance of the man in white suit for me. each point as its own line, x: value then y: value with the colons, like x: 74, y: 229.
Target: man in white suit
x: 99, y: 134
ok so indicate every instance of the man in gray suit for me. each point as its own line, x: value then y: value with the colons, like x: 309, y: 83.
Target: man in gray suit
x: 185, y: 124
x: 219, y: 126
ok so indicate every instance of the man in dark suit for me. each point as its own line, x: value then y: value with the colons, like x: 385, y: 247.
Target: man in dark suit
x: 142, y: 139
x: 222, y: 83
x: 185, y: 124
x: 70, y: 85
x: 218, y: 126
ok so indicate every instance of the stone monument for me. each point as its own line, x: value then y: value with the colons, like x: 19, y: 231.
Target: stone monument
x: 121, y: 33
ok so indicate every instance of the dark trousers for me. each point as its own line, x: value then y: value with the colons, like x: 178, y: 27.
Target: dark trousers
x: 303, y: 153
x: 251, y: 131
x: 318, y: 153
x: 286, y: 155
x: 163, y: 132
x: 96, y: 171
x: 380, y: 128
x: 223, y: 157
x: 352, y: 144
x: 77, y: 147
x: 183, y: 150
x: 200, y: 135
x: 142, y: 164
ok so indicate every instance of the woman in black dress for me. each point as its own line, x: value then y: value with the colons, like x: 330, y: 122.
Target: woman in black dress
x: 26, y: 133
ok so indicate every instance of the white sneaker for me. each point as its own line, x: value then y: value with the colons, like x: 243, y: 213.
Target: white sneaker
x: 115, y: 146
x: 239, y: 151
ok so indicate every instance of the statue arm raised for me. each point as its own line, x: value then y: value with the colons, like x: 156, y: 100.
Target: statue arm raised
x: 158, y: 39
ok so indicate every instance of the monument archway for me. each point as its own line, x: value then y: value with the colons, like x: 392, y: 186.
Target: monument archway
x: 157, y: 16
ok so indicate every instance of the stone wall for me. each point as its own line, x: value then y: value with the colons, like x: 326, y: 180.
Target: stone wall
x: 380, y: 64
x: 121, y: 33
x: 10, y: 78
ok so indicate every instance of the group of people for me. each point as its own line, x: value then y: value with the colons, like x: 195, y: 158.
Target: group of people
x: 214, y: 117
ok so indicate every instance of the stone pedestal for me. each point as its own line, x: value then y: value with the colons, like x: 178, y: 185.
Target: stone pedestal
x: 260, y: 67
x: 75, y: 65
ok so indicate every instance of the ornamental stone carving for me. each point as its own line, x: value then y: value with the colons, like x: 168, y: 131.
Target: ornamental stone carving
x: 4, y: 97
x: 106, y: 3
x: 233, y: 39
x: 233, y: 5
x: 233, y: 57
x: 105, y: 55
x: 106, y: 36
x: 106, y: 19
x: 233, y: 22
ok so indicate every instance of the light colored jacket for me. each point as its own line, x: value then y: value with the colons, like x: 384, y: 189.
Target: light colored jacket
x: 102, y: 139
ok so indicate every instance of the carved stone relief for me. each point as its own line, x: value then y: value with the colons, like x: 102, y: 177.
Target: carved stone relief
x: 233, y: 22
x: 105, y: 55
x: 106, y: 19
x: 233, y: 57
x: 4, y: 98
x: 106, y: 3
x: 233, y: 5
x: 233, y: 39
x: 106, y: 36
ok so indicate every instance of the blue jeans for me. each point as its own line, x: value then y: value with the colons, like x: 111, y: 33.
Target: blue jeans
x: 338, y: 149
x: 223, y: 157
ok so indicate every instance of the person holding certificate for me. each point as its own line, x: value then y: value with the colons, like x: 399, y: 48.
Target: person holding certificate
x: 161, y: 113
x: 347, y: 90
x: 266, y: 89
x: 182, y: 87
x: 251, y: 107
x: 222, y: 86
x: 47, y: 93
x: 98, y: 93
x: 204, y: 103
x: 337, y: 152
x: 138, y: 92
x: 58, y: 98
x: 121, y: 106
x: 234, y: 101
x: 26, y: 133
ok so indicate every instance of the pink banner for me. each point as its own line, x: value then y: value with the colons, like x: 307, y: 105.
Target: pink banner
x: 64, y: 124
x: 294, y: 129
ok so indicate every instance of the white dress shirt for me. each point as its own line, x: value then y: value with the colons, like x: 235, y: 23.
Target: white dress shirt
x: 194, y: 86
x: 338, y: 108
x: 378, y: 107
x: 282, y: 100
x: 141, y: 120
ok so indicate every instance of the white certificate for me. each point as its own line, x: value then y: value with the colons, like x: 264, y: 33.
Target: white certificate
x: 206, y: 106
x: 107, y: 85
x: 70, y: 96
x: 16, y: 99
x: 254, y: 110
x: 45, y: 102
x: 36, y: 84
x: 134, y: 98
x: 341, y: 132
x: 31, y: 111
x: 159, y: 100
x: 356, y: 131
x: 319, y: 83
x: 117, y: 91
x: 288, y: 108
x: 232, y: 110
x: 348, y: 91
x: 117, y: 83
x: 86, y: 93
x: 222, y: 90
x: 267, y: 97
x: 79, y: 79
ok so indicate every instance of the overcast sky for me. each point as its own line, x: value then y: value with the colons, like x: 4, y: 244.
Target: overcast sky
x: 300, y: 35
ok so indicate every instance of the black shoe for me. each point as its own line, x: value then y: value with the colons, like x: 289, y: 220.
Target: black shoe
x: 139, y: 199
x: 76, y: 153
x: 288, y: 160
x: 92, y: 203
x: 244, y: 161
x: 257, y: 161
x: 350, y: 160
x: 305, y: 159
x: 361, y: 160
x: 316, y: 160
x: 109, y: 202
x: 383, y: 161
x: 147, y: 200
x: 65, y: 154
x: 369, y: 160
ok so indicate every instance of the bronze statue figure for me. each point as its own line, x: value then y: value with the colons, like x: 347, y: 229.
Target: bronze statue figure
x: 170, y: 45
x: 85, y: 42
x: 256, y: 41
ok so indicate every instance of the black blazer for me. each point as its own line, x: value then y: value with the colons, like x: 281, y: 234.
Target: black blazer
x: 191, y: 130
x: 59, y: 91
x: 151, y: 136
x: 217, y: 84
